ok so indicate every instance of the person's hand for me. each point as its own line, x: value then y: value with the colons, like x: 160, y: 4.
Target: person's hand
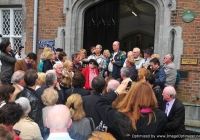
x: 113, y: 61
x: 58, y: 86
x: 122, y: 87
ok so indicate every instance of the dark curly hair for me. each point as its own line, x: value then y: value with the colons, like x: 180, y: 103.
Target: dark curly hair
x: 30, y: 77
x: 10, y: 113
x: 4, y: 44
x: 61, y: 55
x: 78, y: 80
x: 5, y: 91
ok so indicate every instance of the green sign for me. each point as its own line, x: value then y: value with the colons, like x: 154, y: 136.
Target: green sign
x: 188, y: 16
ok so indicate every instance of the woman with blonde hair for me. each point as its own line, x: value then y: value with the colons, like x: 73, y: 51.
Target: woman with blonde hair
x: 41, y: 80
x: 65, y: 83
x: 83, y: 54
x: 81, y: 127
x: 136, y: 114
x: 68, y: 68
x: 49, y: 61
x: 141, y: 73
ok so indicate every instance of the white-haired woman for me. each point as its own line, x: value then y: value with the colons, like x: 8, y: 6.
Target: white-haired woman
x: 29, y: 130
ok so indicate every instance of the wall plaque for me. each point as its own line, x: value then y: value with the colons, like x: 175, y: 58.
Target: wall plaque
x: 191, y: 61
x: 188, y: 16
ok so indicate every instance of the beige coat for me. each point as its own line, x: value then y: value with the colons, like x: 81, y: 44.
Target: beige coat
x: 17, y: 90
x: 29, y: 130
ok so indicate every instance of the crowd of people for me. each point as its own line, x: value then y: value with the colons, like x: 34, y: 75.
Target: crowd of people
x: 103, y: 96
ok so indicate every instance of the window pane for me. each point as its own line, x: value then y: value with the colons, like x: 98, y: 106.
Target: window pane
x: 16, y: 43
x: 6, y: 22
x: 17, y: 22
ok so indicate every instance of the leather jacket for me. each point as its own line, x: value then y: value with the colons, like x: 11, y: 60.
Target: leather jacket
x: 36, y: 105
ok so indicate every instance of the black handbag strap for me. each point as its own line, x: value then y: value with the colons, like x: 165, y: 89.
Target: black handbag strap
x: 91, y: 123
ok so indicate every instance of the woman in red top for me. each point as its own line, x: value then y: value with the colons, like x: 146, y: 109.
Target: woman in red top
x: 90, y: 72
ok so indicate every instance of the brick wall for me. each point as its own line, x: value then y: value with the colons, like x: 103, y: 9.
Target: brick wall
x: 189, y: 90
x: 50, y: 17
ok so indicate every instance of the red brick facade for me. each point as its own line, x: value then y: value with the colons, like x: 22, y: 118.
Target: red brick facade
x: 50, y: 17
x: 188, y: 90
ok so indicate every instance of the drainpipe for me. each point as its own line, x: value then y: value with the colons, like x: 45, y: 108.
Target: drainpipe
x: 35, y: 25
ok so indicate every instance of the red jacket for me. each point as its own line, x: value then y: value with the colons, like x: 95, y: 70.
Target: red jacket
x: 86, y: 72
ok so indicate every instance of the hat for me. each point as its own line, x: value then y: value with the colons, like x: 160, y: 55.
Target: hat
x: 149, y: 51
x: 59, y: 50
x: 94, y: 61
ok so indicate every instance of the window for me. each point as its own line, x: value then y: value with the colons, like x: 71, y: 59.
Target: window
x: 11, y: 25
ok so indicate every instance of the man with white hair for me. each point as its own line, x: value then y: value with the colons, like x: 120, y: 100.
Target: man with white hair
x: 18, y: 82
x: 175, y: 112
x: 58, y: 67
x: 139, y: 61
x: 112, y: 85
x: 59, y: 120
x: 125, y: 73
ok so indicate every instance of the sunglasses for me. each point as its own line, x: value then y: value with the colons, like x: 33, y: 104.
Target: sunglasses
x: 91, y: 63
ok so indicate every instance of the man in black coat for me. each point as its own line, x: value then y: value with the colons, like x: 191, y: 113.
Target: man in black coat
x: 89, y: 102
x: 175, y: 112
x: 51, y: 81
x: 30, y: 78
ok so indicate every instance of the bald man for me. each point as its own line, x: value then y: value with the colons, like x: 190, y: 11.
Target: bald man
x: 175, y: 112
x: 112, y: 85
x: 59, y: 120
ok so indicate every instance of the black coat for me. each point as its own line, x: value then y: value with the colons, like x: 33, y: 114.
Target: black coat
x: 48, y: 65
x: 40, y: 91
x: 36, y: 105
x: 81, y: 91
x: 158, y: 92
x: 176, y: 118
x: 89, y: 103
x: 121, y: 123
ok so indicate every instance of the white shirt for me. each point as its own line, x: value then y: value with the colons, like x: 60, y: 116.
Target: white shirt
x: 59, y: 136
x: 22, y: 88
x: 170, y: 106
x: 140, y: 64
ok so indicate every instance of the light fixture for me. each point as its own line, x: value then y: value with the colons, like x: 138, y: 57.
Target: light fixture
x: 134, y: 13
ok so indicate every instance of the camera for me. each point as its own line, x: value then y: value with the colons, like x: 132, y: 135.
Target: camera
x: 129, y: 85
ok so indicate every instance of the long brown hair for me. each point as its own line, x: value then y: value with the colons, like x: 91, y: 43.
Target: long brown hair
x: 139, y: 96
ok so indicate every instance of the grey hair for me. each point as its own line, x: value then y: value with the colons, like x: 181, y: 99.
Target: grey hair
x: 125, y: 71
x: 138, y: 49
x: 171, y: 56
x: 111, y: 86
x: 25, y: 104
x: 98, y: 45
x: 74, y: 55
x: 56, y: 64
x: 51, y: 78
x: 17, y: 76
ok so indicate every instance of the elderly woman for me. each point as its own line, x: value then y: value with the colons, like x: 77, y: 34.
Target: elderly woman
x: 49, y: 61
x: 78, y: 129
x: 90, y: 72
x: 6, y: 93
x: 136, y: 114
x: 41, y: 80
x: 8, y: 60
x: 68, y: 68
x: 49, y: 98
x: 29, y: 130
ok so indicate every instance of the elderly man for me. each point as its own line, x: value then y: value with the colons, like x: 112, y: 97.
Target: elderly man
x: 58, y: 67
x: 28, y: 63
x: 175, y: 112
x: 170, y: 70
x: 51, y: 81
x: 77, y: 67
x: 125, y: 73
x: 18, y: 82
x: 139, y: 61
x: 116, y: 60
x: 112, y: 85
x: 59, y: 120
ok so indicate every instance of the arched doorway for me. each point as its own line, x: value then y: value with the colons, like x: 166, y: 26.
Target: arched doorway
x: 75, y: 11
x: 129, y: 21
